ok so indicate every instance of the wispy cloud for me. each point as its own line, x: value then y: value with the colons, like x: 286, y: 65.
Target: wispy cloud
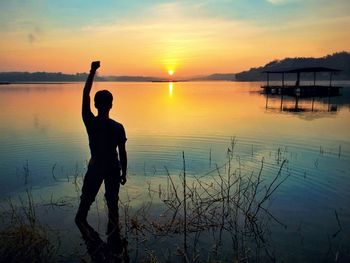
x: 34, y: 34
x: 277, y: 2
x: 31, y: 38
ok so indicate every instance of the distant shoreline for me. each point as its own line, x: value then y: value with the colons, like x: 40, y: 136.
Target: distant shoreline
x: 174, y: 81
x: 145, y: 81
x: 39, y: 82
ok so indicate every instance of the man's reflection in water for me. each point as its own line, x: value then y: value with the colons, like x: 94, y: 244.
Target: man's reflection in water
x: 115, y: 250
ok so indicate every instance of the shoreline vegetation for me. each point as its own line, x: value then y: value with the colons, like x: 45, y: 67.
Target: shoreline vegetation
x: 339, y: 60
x: 226, y: 205
x: 222, y: 215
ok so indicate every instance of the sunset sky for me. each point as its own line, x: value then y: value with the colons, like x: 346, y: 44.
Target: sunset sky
x: 152, y: 37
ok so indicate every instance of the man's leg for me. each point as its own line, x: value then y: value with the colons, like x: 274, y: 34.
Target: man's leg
x: 92, y: 182
x: 112, y: 184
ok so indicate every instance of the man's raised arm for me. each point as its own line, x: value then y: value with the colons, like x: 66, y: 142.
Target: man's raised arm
x: 86, y: 110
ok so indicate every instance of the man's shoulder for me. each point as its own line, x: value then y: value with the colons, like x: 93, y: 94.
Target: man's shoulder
x: 88, y: 118
x: 116, y: 124
x: 118, y: 128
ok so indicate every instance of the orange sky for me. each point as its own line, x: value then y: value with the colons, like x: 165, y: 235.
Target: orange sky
x: 191, y: 38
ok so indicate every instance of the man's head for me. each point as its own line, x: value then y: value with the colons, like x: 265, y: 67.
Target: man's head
x: 103, y: 100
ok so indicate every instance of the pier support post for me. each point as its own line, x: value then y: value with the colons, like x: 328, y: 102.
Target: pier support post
x: 298, y: 79
x: 296, y: 107
x: 267, y: 100
x: 314, y: 79
x: 330, y: 79
x: 268, y: 79
x: 281, y: 106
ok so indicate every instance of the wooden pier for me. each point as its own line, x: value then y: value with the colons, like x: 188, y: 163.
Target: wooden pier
x: 299, y: 90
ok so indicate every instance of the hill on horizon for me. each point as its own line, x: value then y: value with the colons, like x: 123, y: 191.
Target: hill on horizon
x: 339, y: 60
x: 215, y: 76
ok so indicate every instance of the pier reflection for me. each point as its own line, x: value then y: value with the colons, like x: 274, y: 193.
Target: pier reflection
x: 300, y: 104
x: 314, y: 107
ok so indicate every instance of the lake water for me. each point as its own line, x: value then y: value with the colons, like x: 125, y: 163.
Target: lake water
x: 44, y: 145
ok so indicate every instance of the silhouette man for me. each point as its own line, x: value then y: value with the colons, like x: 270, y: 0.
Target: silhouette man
x: 106, y: 140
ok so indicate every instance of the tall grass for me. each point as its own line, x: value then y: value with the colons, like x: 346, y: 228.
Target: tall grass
x: 23, y: 239
x: 224, y: 211
x: 226, y: 207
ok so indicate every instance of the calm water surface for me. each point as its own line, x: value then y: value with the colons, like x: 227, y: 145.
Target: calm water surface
x: 43, y: 143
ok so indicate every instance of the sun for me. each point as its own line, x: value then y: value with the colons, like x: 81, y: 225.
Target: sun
x: 170, y: 72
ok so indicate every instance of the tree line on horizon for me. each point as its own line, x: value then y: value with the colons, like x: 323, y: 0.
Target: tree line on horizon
x: 12, y: 77
x: 339, y: 60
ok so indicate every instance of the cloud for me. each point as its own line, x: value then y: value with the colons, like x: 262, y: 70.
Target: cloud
x: 38, y: 30
x: 276, y: 2
x: 34, y: 34
x: 31, y: 37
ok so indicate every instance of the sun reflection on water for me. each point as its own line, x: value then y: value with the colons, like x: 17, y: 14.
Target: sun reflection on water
x: 170, y: 89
